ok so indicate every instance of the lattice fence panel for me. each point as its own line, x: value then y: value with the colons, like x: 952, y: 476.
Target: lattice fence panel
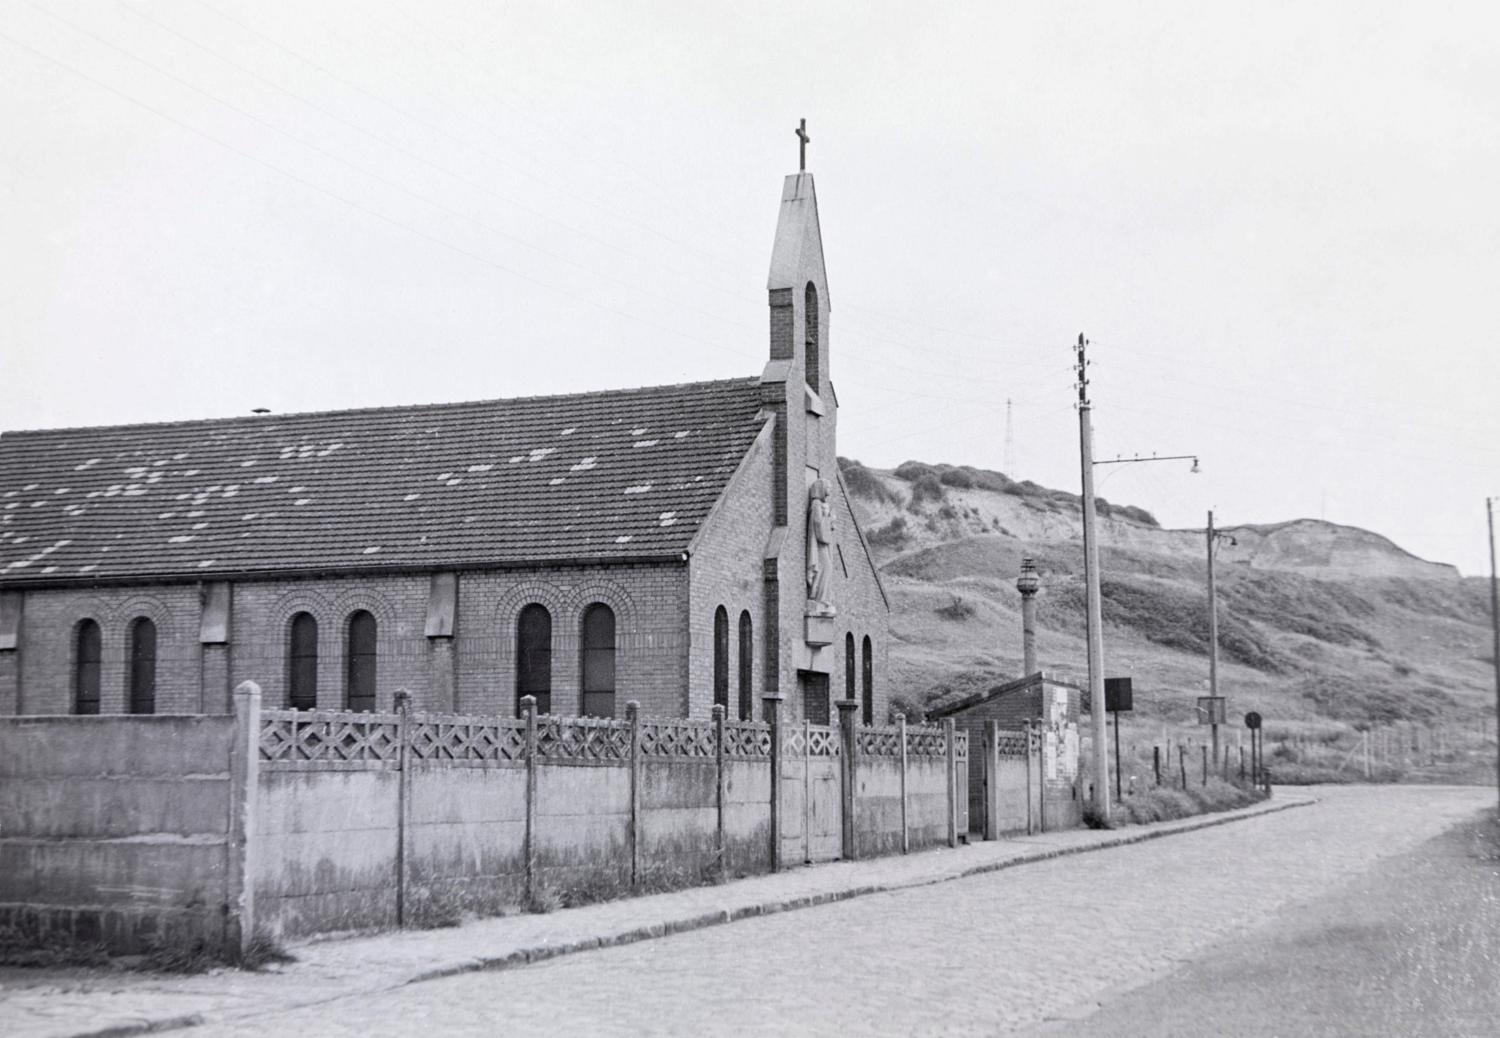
x: 691, y: 739
x: 747, y: 740
x: 961, y: 745
x: 1011, y: 744
x: 458, y: 737
x: 926, y: 742
x: 878, y: 742
x: 823, y: 741
x: 582, y: 739
x: 333, y: 738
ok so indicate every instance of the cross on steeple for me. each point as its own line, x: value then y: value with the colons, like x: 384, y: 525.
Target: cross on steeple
x: 802, y: 139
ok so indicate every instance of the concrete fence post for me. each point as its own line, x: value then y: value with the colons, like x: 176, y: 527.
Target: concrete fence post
x: 403, y: 799
x: 990, y: 778
x: 633, y: 715
x: 772, y: 702
x: 721, y: 845
x: 240, y: 844
x: 950, y: 739
x: 848, y: 720
x: 528, y: 713
x: 905, y: 827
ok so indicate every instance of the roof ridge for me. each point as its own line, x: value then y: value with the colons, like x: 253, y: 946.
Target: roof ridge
x: 381, y: 408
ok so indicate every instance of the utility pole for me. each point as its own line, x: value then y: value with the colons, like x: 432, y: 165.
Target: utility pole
x: 1489, y: 507
x: 1213, y: 629
x: 1091, y: 579
x: 1010, y: 443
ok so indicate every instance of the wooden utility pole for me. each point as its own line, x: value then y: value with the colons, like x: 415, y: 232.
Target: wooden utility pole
x: 1489, y: 507
x: 1213, y: 631
x: 1091, y: 580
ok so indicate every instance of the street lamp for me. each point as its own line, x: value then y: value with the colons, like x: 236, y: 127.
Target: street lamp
x: 1028, y: 583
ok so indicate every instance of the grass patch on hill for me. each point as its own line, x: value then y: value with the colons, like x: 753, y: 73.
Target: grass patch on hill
x: 966, y: 477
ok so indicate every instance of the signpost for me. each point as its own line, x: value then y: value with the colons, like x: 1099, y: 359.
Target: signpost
x: 1252, y: 722
x: 1118, y: 698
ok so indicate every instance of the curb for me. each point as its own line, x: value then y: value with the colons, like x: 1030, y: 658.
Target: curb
x: 543, y: 952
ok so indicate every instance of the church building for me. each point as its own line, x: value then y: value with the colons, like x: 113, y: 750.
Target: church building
x: 679, y: 545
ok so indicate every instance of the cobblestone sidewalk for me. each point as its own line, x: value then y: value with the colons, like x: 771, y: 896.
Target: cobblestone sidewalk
x: 122, y: 1004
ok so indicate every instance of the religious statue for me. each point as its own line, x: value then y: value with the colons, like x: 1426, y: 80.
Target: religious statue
x: 819, y: 549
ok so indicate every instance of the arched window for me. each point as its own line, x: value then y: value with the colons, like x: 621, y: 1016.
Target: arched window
x: 142, y: 667
x: 86, y: 654
x: 869, y: 683
x: 849, y: 666
x: 534, y: 657
x: 721, y: 658
x: 302, y: 663
x: 599, y: 661
x: 811, y: 321
x: 747, y: 667
x: 359, y: 661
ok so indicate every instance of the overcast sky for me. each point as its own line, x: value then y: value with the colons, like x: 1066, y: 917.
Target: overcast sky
x: 1278, y: 224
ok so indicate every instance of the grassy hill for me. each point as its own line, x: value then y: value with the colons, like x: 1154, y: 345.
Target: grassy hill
x: 1327, y: 629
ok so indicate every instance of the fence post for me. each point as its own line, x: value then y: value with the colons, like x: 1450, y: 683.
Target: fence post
x: 950, y: 737
x: 991, y: 772
x: 240, y: 847
x: 1205, y: 764
x: 721, y: 847
x: 633, y: 715
x: 528, y: 713
x: 905, y: 831
x: 1156, y: 762
x: 1182, y: 763
x: 848, y: 718
x: 403, y: 798
x: 772, y: 702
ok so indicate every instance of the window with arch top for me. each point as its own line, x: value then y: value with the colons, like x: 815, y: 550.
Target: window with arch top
x: 849, y: 665
x: 142, y: 667
x: 721, y: 658
x: 747, y: 667
x: 302, y: 663
x: 534, y: 657
x: 868, y: 675
x: 359, y: 662
x: 87, y: 651
x: 599, y: 661
x: 810, y: 367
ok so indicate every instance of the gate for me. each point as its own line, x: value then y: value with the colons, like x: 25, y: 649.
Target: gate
x: 812, y: 802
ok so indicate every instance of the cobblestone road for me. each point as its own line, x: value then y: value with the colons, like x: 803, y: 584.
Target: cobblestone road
x: 977, y: 956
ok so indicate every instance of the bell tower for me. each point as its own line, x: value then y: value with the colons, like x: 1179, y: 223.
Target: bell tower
x: 797, y: 388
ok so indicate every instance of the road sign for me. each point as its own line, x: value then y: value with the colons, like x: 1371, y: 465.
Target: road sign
x: 1252, y: 720
x: 1117, y: 695
x: 1212, y: 709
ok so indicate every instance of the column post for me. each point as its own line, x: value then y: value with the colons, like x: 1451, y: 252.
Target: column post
x: 240, y: 844
x: 528, y: 713
x: 905, y: 826
x: 633, y: 715
x: 721, y: 845
x: 848, y: 719
x: 951, y: 740
x: 773, y: 701
x: 403, y: 799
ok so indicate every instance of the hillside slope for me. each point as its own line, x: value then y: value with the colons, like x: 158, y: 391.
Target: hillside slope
x: 1318, y: 622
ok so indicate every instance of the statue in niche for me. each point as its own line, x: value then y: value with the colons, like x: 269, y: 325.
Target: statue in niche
x: 819, y: 549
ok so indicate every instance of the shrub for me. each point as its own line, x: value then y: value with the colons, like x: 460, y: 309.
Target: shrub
x: 926, y: 487
x: 892, y: 535
x: 911, y: 471
x: 956, y: 478
x: 864, y: 483
x: 958, y: 609
x: 1139, y: 515
x: 947, y: 512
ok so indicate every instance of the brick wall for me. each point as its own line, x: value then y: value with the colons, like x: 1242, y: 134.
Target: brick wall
x: 650, y: 615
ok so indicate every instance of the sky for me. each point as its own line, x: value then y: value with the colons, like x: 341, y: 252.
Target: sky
x: 1277, y: 224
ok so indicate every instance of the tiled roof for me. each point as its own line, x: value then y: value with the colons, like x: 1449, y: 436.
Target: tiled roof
x: 628, y: 474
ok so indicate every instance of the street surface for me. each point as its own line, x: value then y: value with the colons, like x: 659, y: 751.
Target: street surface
x: 1047, y: 941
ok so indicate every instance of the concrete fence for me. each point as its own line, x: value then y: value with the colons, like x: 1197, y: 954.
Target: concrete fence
x: 134, y: 829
